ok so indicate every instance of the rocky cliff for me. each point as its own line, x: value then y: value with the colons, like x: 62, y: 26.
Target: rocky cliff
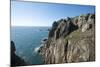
x: 15, y: 59
x: 70, y: 40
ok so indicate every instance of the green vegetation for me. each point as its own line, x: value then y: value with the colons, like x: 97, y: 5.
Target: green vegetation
x: 74, y: 36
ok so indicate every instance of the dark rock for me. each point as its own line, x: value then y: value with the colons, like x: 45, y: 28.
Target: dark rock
x: 45, y: 39
x: 54, y: 26
x: 13, y: 49
x: 15, y: 59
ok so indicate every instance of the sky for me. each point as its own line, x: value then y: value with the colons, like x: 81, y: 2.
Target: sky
x: 44, y: 14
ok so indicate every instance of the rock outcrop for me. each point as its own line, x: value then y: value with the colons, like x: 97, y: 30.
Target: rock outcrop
x: 70, y: 40
x: 15, y: 59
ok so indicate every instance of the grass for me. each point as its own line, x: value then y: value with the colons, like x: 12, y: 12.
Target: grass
x: 74, y: 36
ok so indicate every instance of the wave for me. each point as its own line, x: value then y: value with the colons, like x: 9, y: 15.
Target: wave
x: 37, y: 48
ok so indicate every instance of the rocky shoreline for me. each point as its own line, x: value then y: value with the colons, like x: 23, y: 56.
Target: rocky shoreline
x: 70, y: 40
x: 15, y: 59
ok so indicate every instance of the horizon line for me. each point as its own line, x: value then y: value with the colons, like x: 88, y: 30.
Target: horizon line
x: 28, y: 26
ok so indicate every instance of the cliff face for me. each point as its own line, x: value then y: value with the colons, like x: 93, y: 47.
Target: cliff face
x: 70, y: 40
x: 15, y: 59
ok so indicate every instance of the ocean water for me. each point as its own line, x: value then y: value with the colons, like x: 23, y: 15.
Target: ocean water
x: 27, y: 41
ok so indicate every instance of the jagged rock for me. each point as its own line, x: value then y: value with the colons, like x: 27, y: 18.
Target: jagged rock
x: 86, y: 27
x: 82, y: 20
x: 64, y: 28
x: 54, y: 26
x: 70, y: 40
x: 15, y: 59
x: 89, y: 22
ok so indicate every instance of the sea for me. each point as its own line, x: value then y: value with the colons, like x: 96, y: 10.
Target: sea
x: 27, y: 42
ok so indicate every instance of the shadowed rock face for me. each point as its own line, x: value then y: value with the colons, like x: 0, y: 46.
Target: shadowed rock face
x: 70, y: 40
x: 15, y: 60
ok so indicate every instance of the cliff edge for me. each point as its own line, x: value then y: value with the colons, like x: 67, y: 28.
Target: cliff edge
x: 70, y: 40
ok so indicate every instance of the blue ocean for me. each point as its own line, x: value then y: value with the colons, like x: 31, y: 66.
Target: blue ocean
x: 27, y: 41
